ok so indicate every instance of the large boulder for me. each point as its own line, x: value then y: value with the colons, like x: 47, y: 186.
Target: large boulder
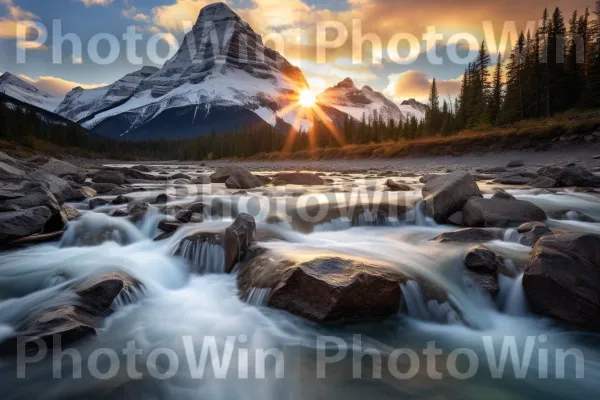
x: 223, y: 173
x: 562, y: 279
x: 242, y: 179
x: 480, y: 212
x: 60, y: 188
x: 34, y: 195
x: 298, y: 178
x: 571, y: 176
x: 56, y: 167
x: 103, y: 188
x: 324, y: 290
x: 18, y: 224
x: 531, y: 232
x: 89, y: 304
x: 448, y: 194
x: 109, y: 176
x: 238, y: 238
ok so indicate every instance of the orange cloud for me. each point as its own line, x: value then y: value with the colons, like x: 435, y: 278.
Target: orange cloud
x: 416, y: 84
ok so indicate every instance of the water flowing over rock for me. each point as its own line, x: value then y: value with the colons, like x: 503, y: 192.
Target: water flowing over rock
x: 469, y: 235
x: 325, y: 290
x: 500, y: 213
x: 562, y: 279
x: 448, y: 194
x: 85, y: 306
x: 204, y: 251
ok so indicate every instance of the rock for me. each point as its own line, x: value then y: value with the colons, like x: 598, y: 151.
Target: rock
x: 237, y: 240
x: 119, y: 213
x: 543, y: 182
x: 456, y: 219
x: 169, y: 226
x: 97, y: 202
x: 76, y: 319
x: 137, y: 211
x: 448, y: 194
x: 480, y: 212
x: 108, y: 176
x: 61, y: 189
x: 34, y: 195
x: 562, y: 279
x: 223, y: 173
x: 120, y: 200
x: 69, y: 213
x: 515, y: 164
x: 513, y: 180
x: 502, y: 195
x: 397, y: 187
x: 181, y: 181
x: 325, y: 290
x: 483, y: 266
x: 184, y: 216
x: 180, y: 176
x: 468, y: 235
x: 17, y: 224
x: 429, y: 177
x: 201, y: 180
x: 141, y: 168
x: 264, y: 179
x: 162, y: 199
x: 34, y: 239
x: 197, y: 207
x: 102, y: 188
x: 298, y: 178
x: 531, y: 232
x: 242, y: 179
x: 56, y: 167
x: 571, y: 176
x: 78, y: 178
x: 494, y: 170
x: 86, y: 192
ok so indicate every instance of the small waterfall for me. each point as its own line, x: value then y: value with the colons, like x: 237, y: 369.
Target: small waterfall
x: 129, y: 296
x: 206, y: 257
x: 511, y: 235
x: 93, y: 229
x: 338, y: 224
x: 368, y: 218
x: 433, y: 311
x: 516, y: 303
x: 419, y: 216
x: 258, y: 296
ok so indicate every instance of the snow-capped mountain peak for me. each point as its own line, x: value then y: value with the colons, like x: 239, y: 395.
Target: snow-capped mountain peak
x: 412, y: 108
x: 222, y: 78
x: 358, y: 103
x: 26, y: 92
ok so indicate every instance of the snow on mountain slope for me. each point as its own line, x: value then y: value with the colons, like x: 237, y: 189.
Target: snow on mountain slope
x: 349, y: 99
x: 19, y: 89
x: 47, y: 117
x: 79, y: 103
x: 205, y: 77
x: 412, y: 108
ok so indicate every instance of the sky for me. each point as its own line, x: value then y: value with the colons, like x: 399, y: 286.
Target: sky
x: 400, y: 71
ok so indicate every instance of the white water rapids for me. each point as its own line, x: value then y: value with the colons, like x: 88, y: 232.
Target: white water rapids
x: 177, y: 304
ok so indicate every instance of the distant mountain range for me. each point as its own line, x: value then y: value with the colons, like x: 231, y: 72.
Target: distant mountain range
x: 208, y: 90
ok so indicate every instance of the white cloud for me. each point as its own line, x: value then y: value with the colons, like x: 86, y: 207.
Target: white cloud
x: 89, y: 3
x: 416, y: 84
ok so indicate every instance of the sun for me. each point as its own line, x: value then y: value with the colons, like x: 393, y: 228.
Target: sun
x: 307, y: 98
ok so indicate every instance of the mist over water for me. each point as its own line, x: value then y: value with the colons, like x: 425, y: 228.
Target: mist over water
x: 176, y: 303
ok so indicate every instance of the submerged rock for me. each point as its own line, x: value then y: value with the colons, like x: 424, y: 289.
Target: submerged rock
x: 325, y: 290
x: 468, y: 235
x: 480, y: 212
x: 448, y: 194
x: 562, y: 279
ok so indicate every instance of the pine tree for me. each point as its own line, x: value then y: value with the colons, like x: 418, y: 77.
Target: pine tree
x: 432, y: 117
x: 495, y: 102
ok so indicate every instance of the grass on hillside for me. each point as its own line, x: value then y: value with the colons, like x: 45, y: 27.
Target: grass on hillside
x: 529, y: 134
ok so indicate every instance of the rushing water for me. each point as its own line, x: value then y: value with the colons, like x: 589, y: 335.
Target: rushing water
x: 178, y: 310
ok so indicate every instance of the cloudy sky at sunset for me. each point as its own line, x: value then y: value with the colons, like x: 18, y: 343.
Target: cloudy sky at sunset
x: 293, y: 20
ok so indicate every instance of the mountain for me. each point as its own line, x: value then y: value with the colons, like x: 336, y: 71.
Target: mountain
x: 347, y: 98
x: 205, y: 87
x: 19, y: 89
x: 80, y: 103
x: 411, y: 108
